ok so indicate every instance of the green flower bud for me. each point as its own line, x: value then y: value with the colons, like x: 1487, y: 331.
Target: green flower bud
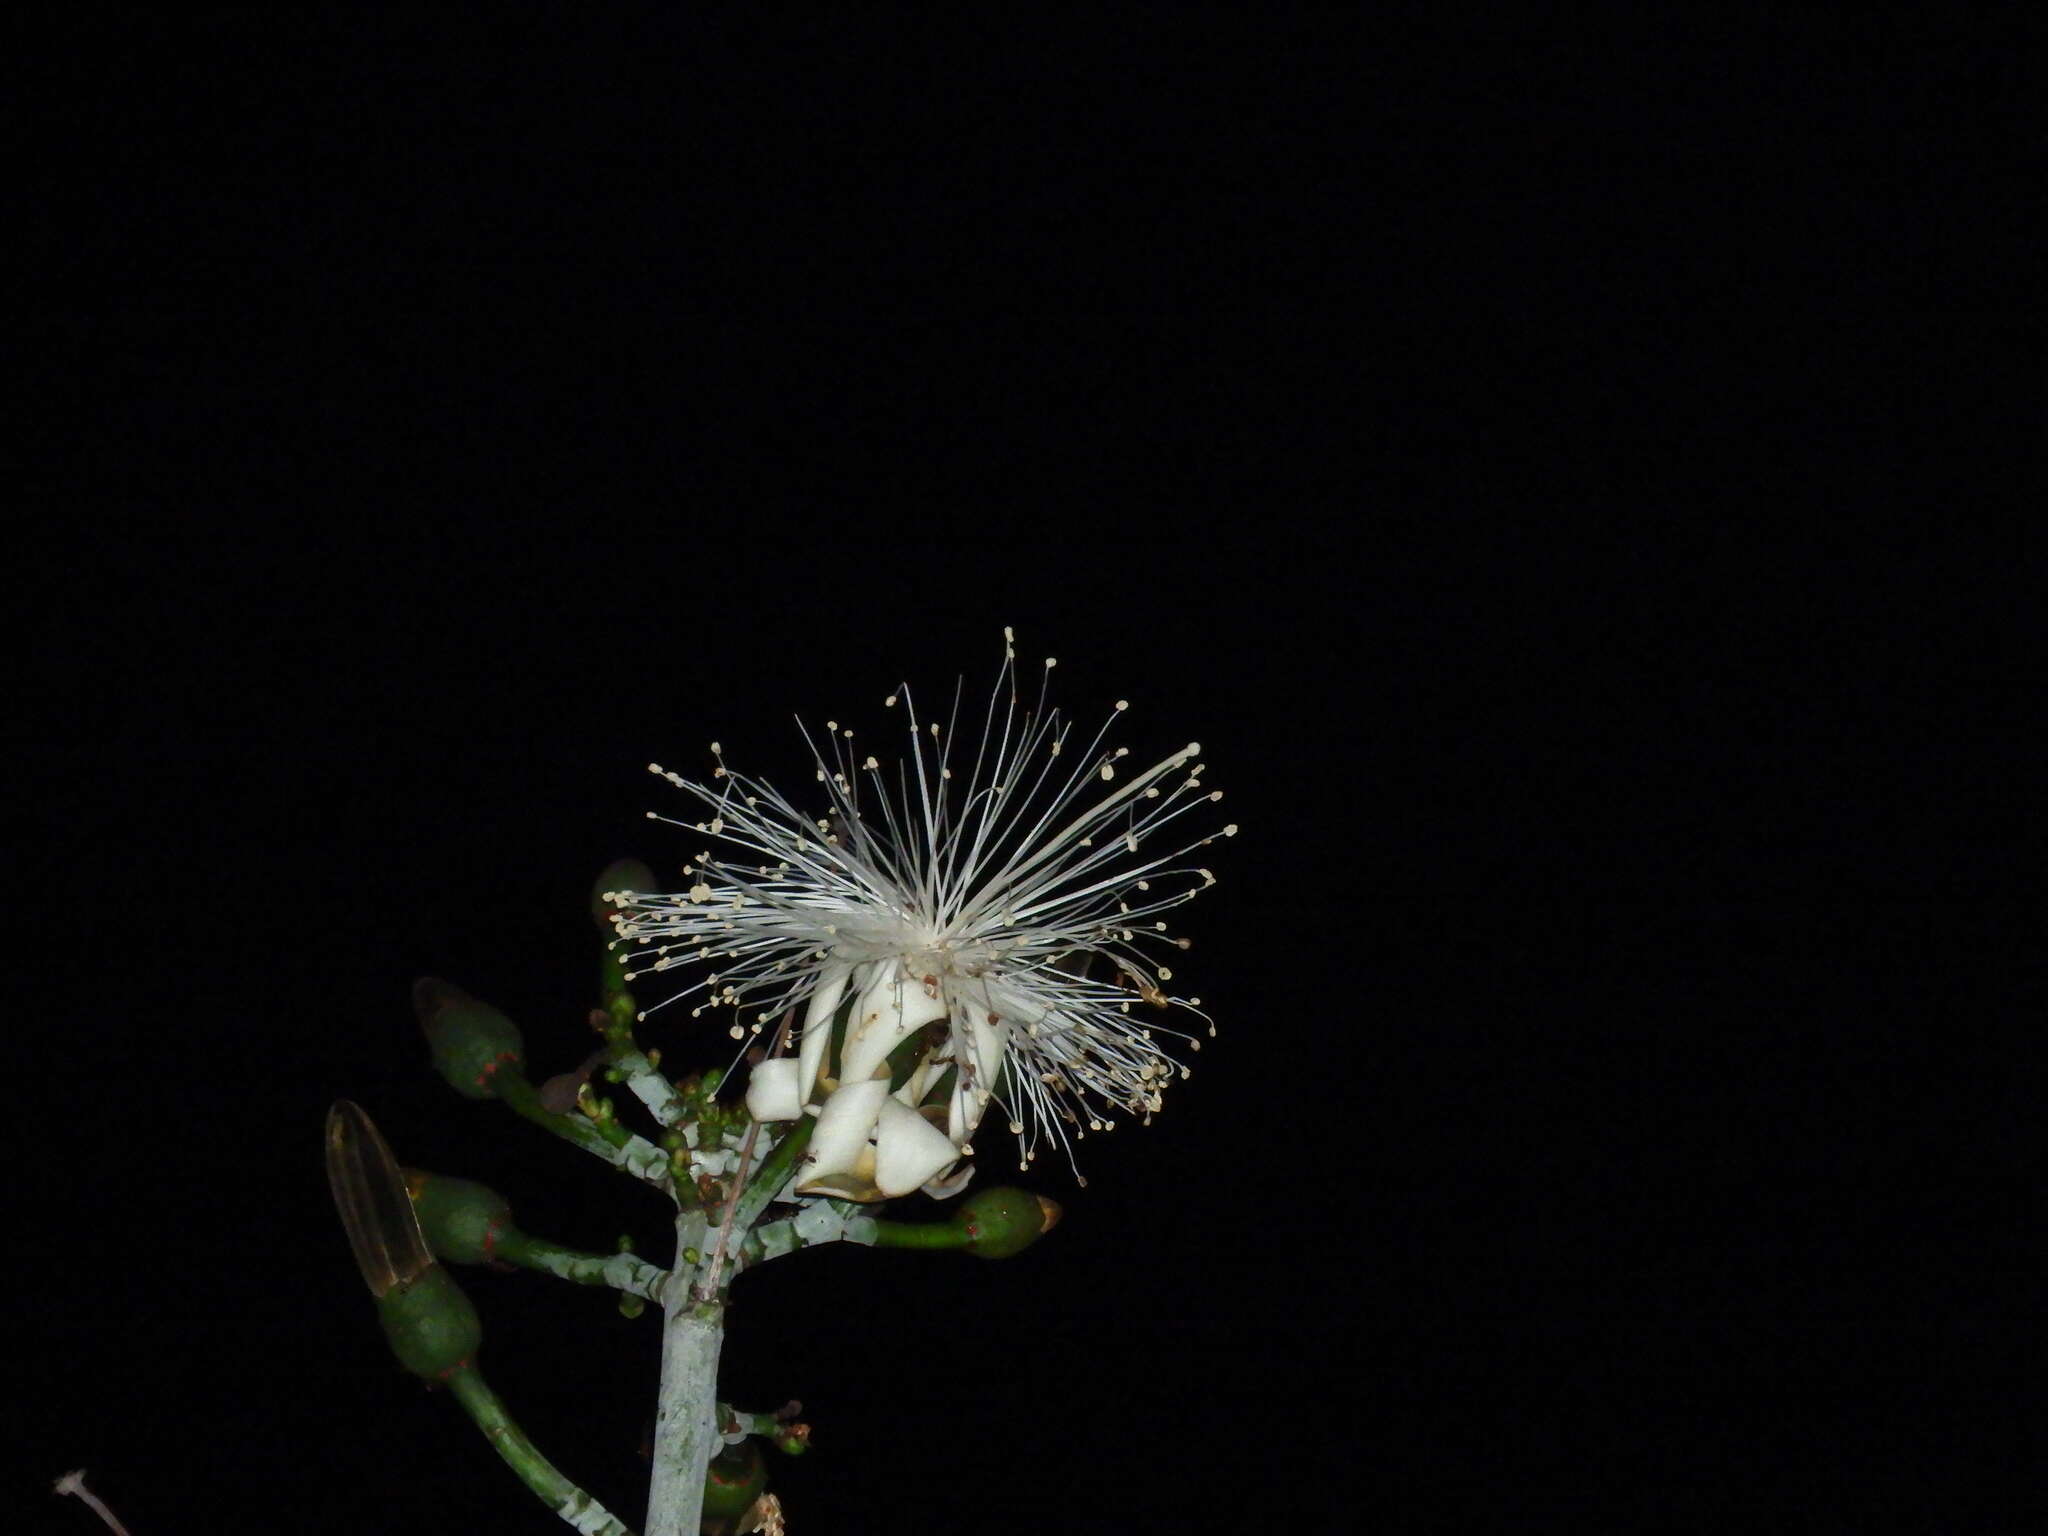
x: 470, y: 1041
x: 732, y: 1483
x: 430, y: 1323
x: 1000, y: 1222
x: 464, y: 1222
x: 621, y: 1010
x: 619, y: 875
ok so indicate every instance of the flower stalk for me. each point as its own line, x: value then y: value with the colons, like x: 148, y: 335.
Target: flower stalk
x: 577, y: 1508
x: 621, y: 1271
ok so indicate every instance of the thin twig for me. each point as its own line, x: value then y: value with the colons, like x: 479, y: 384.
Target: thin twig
x: 708, y: 1291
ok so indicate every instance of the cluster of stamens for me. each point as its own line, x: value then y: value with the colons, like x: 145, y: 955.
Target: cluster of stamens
x: 1032, y: 901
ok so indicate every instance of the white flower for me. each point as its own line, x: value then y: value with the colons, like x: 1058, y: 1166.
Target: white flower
x: 950, y: 946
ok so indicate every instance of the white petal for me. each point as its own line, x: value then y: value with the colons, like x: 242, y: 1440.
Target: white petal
x: 911, y: 1094
x: 890, y: 1007
x: 964, y: 1111
x: 844, y: 1125
x: 772, y: 1090
x: 818, y: 1022
x: 908, y: 1150
x: 991, y: 1044
x: 947, y: 1185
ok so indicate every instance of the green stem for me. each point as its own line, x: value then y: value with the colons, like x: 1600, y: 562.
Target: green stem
x: 780, y: 1429
x: 647, y: 1081
x: 921, y: 1234
x: 575, y: 1506
x: 773, y: 1173
x: 614, y: 1143
x: 824, y: 1221
x: 620, y: 1271
x: 615, y: 1021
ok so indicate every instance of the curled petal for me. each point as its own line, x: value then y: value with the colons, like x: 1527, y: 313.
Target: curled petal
x: 971, y: 1090
x: 911, y: 1094
x: 894, y: 1004
x: 947, y: 1185
x: 909, y: 1149
x: 840, y: 1144
x: 818, y: 1023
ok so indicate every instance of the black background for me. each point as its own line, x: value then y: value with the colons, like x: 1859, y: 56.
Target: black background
x: 1553, y: 470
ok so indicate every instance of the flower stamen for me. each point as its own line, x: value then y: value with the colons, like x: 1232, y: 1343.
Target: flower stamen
x: 986, y: 903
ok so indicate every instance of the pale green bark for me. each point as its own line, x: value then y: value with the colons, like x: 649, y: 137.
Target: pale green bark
x: 686, y: 1413
x: 577, y: 1508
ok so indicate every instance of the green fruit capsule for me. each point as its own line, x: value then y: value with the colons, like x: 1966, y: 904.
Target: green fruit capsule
x: 732, y: 1483
x: 1002, y: 1221
x: 464, y: 1222
x: 430, y: 1323
x: 471, y: 1041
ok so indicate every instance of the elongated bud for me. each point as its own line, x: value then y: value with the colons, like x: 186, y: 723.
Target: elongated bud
x: 464, y: 1222
x: 619, y: 875
x: 430, y: 1323
x: 471, y: 1041
x: 1000, y: 1222
x: 369, y: 1193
